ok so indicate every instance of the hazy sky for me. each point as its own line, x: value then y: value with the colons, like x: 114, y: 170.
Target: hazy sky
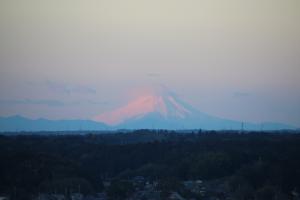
x: 237, y: 59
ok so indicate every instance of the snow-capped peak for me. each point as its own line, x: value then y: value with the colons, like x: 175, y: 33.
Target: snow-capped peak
x: 158, y: 100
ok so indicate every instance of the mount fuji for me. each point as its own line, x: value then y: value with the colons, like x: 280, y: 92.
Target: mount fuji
x: 159, y: 108
x: 153, y: 108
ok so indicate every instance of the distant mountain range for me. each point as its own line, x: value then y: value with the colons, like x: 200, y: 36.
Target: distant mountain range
x: 159, y: 108
x: 18, y: 123
x: 156, y: 108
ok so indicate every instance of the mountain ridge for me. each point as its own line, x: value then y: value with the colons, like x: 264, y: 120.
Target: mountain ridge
x: 160, y: 108
x: 20, y: 123
x: 153, y: 108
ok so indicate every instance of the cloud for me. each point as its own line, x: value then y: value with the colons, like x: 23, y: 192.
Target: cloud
x: 153, y: 74
x: 97, y: 102
x: 47, y: 102
x: 241, y: 94
x: 64, y: 88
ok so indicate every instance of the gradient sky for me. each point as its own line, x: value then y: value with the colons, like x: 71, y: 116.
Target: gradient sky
x: 237, y: 59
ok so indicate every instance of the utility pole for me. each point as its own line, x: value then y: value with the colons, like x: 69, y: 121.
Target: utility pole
x: 242, y: 127
x: 261, y: 127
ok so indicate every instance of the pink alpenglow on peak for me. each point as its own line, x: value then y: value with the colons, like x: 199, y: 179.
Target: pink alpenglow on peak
x: 159, y: 108
x: 150, y: 100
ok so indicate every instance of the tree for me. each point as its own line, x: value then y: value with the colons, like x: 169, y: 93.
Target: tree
x: 119, y: 190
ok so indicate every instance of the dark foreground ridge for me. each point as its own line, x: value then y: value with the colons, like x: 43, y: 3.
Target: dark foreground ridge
x: 147, y: 164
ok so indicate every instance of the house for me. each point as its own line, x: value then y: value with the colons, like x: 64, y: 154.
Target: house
x: 76, y: 196
x: 50, y: 197
x: 195, y: 186
x: 139, y: 180
x: 175, y: 196
x: 106, y: 183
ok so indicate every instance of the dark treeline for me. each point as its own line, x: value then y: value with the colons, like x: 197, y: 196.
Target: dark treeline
x: 250, y: 163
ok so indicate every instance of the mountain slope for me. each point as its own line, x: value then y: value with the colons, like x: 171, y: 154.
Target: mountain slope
x: 155, y: 108
x: 18, y: 123
x: 159, y: 108
x: 153, y: 102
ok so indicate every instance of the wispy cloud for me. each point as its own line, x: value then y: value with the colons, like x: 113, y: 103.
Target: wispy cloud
x: 47, y: 102
x: 65, y: 88
x: 153, y: 74
x: 98, y: 102
x: 241, y: 94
